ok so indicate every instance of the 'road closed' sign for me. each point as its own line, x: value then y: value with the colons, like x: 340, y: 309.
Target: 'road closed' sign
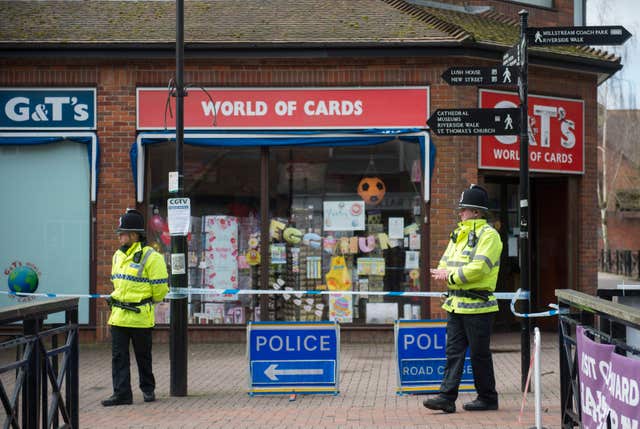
x: 420, y: 349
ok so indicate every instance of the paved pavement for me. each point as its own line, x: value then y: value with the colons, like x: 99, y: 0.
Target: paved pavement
x: 217, y: 397
x: 611, y: 281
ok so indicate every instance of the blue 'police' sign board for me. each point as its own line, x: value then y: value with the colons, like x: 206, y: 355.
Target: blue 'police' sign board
x: 420, y: 350
x: 293, y: 357
x: 47, y: 109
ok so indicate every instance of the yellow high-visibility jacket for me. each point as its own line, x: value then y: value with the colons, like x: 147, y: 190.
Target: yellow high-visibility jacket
x: 135, y: 281
x: 473, y: 261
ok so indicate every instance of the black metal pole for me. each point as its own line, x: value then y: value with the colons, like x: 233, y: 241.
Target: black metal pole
x: 31, y: 388
x: 525, y: 333
x: 72, y: 390
x: 179, y: 309
x: 264, y: 232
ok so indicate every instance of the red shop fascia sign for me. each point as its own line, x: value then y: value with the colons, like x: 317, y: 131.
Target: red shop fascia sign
x: 286, y: 108
x: 556, y: 135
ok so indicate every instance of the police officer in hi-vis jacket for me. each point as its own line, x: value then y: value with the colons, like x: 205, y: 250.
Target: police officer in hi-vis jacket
x: 470, y: 266
x: 140, y: 279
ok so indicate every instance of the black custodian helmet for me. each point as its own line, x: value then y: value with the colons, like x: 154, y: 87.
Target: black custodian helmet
x: 476, y: 197
x: 131, y: 221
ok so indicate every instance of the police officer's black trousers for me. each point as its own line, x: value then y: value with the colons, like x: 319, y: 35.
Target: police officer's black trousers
x: 142, y: 342
x: 473, y: 330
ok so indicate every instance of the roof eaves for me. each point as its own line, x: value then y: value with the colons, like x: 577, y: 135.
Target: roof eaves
x: 452, y: 29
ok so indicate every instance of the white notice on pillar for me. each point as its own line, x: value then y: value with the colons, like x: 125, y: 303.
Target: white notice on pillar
x: 179, y: 215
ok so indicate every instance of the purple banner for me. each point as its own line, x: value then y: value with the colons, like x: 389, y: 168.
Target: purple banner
x: 608, y: 385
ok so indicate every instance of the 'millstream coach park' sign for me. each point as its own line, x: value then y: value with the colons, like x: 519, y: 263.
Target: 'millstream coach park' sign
x: 592, y: 35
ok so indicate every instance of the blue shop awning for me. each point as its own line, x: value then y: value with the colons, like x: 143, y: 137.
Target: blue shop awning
x: 328, y: 138
x: 39, y: 138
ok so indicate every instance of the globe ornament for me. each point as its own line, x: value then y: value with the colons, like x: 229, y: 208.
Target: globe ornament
x: 371, y: 190
x: 23, y: 280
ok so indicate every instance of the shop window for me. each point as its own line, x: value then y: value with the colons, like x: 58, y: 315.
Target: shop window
x: 540, y: 3
x: 45, y: 218
x: 323, y: 234
x: 223, y: 184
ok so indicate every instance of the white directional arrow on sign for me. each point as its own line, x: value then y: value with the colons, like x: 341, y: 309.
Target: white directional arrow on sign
x: 272, y: 373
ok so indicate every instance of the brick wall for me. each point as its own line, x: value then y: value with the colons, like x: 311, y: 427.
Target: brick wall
x: 623, y: 228
x: 455, y: 168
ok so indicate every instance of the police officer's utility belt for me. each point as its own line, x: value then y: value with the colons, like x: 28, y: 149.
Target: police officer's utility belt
x: 475, y: 294
x: 131, y: 306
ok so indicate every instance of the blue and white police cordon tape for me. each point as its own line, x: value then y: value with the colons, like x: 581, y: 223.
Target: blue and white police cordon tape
x: 54, y: 295
x: 518, y: 295
x: 206, y: 291
x: 554, y: 311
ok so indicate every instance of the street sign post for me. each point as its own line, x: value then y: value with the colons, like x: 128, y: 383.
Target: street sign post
x: 420, y: 350
x: 595, y: 35
x: 475, y: 122
x: 524, y: 244
x: 513, y: 57
x: 514, y: 121
x: 472, y: 75
x: 296, y: 357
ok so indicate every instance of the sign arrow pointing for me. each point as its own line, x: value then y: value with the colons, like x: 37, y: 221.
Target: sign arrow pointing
x: 475, y: 122
x: 272, y: 373
x: 585, y: 35
x: 476, y: 75
x: 513, y: 57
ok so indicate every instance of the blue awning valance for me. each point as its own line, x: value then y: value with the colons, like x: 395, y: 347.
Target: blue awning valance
x: 245, y: 138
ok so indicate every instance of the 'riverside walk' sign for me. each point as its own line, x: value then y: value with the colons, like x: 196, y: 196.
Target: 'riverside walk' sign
x: 475, y: 122
x: 595, y: 35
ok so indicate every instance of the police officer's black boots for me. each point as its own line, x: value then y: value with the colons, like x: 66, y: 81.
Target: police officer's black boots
x: 115, y: 400
x: 149, y: 397
x: 480, y: 405
x: 440, y: 403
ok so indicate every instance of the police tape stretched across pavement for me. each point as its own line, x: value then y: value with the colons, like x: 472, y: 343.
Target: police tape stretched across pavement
x: 513, y: 296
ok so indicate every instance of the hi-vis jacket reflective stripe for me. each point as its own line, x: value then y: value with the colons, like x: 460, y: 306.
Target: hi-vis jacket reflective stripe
x: 133, y: 282
x: 473, y: 264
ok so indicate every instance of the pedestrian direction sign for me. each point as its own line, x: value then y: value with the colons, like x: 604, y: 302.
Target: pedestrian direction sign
x: 293, y: 357
x: 475, y: 122
x: 473, y: 75
x: 592, y: 35
x: 420, y: 351
x: 513, y: 57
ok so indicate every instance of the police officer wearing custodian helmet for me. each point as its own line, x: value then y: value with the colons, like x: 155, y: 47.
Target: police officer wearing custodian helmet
x: 470, y: 266
x: 140, y: 279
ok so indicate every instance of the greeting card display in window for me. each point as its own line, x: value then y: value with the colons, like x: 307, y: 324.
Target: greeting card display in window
x: 344, y: 216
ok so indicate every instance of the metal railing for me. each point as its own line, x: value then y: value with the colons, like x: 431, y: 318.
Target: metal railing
x: 622, y: 262
x: 44, y: 390
x: 602, y: 319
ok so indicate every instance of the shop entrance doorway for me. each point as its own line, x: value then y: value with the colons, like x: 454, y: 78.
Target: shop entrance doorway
x: 552, y: 253
x: 550, y: 244
x: 503, y: 215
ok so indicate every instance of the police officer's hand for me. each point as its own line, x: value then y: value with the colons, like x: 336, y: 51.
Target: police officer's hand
x: 439, y: 274
x: 109, y: 300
